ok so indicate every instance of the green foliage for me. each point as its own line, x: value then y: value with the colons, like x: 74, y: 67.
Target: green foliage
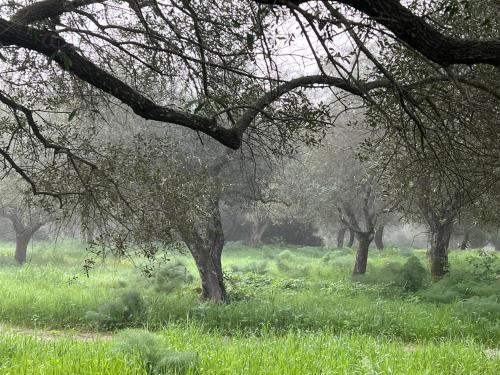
x: 117, y: 313
x: 324, y: 299
x: 172, y: 276
x: 259, y: 268
x: 153, y: 351
x: 485, y: 266
x: 177, y: 363
x: 396, y: 278
x: 141, y: 344
x: 286, y: 255
x: 488, y: 307
x: 460, y: 285
x: 413, y: 274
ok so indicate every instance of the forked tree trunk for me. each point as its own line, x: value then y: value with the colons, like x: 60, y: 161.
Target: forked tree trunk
x: 379, y: 238
x: 340, y: 237
x: 257, y: 230
x: 439, y: 238
x: 351, y: 238
x: 465, y: 242
x: 205, y: 244
x: 364, y: 239
x: 22, y: 241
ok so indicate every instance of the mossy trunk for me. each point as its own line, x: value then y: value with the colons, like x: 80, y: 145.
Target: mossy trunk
x: 208, y: 262
x: 340, y: 237
x: 364, y: 240
x: 205, y: 244
x: 379, y: 238
x: 439, y: 240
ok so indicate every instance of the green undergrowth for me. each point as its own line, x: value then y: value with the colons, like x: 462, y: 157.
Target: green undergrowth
x: 286, y: 302
x: 191, y: 350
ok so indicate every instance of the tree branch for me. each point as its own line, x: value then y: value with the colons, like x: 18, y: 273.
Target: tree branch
x: 45, y: 9
x: 419, y: 35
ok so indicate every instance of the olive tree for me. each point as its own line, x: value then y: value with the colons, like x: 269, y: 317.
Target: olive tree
x: 26, y: 213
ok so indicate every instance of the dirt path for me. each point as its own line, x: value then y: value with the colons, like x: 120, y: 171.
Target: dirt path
x: 106, y: 336
x: 57, y: 334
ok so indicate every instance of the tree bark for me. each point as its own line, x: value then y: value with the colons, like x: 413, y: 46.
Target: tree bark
x: 495, y: 240
x: 465, y: 242
x: 351, y: 238
x: 22, y: 241
x: 364, y: 239
x: 23, y: 237
x: 340, y: 237
x: 379, y: 238
x: 205, y: 243
x: 439, y: 238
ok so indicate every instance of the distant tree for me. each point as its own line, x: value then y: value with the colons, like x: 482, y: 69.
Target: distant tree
x: 26, y: 214
x: 332, y: 187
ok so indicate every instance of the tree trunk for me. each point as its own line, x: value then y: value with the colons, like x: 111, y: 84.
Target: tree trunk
x: 437, y: 254
x: 340, y: 237
x: 465, y: 242
x: 22, y: 241
x: 364, y: 240
x: 351, y: 238
x: 257, y: 231
x: 205, y: 243
x: 379, y: 238
x: 495, y: 240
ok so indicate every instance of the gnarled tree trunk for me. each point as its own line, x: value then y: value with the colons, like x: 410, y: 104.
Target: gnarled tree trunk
x: 439, y: 240
x: 364, y: 239
x: 205, y: 243
x: 340, y: 237
x: 351, y: 238
x: 379, y: 238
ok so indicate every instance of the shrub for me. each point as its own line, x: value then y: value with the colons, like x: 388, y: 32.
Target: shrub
x: 286, y: 255
x: 413, y: 274
x: 117, y: 313
x: 394, y: 278
x: 172, y: 276
x: 177, y: 363
x: 485, y: 266
x: 139, y: 343
x: 153, y: 351
x: 259, y: 268
x: 327, y: 257
x: 483, y: 306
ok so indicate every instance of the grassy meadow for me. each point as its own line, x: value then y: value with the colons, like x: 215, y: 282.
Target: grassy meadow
x: 291, y: 311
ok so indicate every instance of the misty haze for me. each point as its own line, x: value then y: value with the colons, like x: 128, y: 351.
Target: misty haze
x: 249, y: 187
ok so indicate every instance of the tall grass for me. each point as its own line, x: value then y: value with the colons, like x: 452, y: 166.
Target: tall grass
x: 292, y: 353
x: 292, y: 310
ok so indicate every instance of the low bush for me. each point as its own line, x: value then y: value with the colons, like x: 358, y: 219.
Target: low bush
x: 483, y: 306
x: 259, y: 268
x: 409, y: 277
x: 172, y: 276
x: 153, y: 352
x: 120, y: 312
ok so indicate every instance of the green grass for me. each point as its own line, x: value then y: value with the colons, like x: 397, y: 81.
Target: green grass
x: 291, y: 353
x: 294, y: 312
